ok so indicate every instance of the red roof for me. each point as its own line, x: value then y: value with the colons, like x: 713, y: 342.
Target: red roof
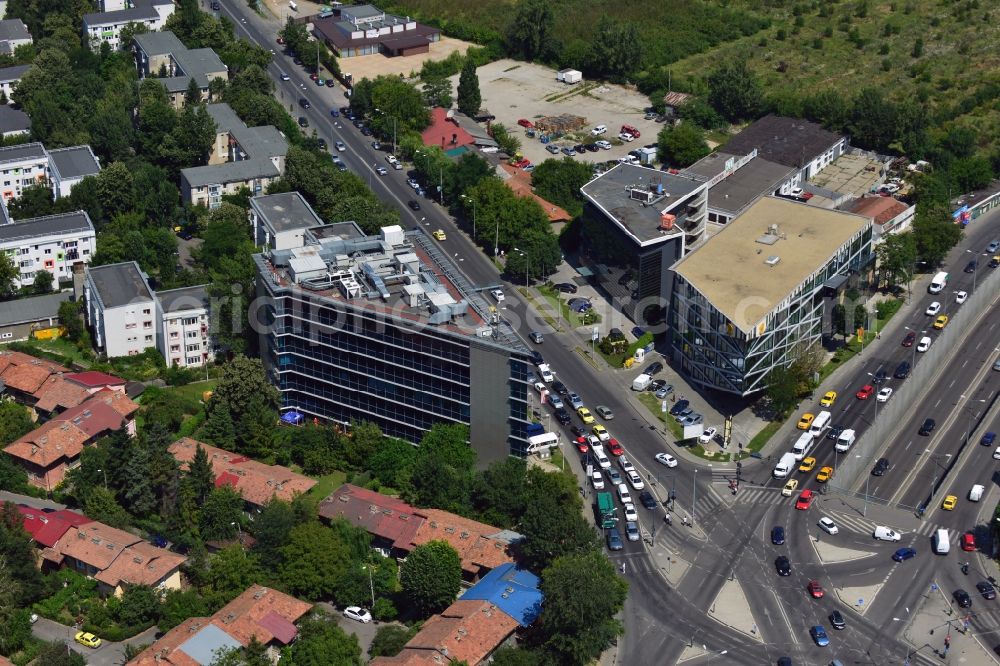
x: 227, y: 479
x: 94, y: 379
x: 445, y: 132
x: 520, y: 181
x: 93, y: 416
x: 383, y: 516
x: 880, y: 209
x: 283, y: 630
x: 47, y: 528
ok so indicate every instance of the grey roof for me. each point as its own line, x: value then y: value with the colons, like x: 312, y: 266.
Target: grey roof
x: 285, y: 212
x: 184, y: 298
x: 756, y: 178
x: 176, y: 84
x: 204, y: 646
x: 139, y: 13
x: 8, y: 74
x: 12, y: 120
x: 230, y: 172
x: 37, y: 227
x: 75, y: 162
x: 336, y: 231
x: 790, y: 141
x: 159, y: 43
x: 120, y: 284
x: 259, y: 143
x: 198, y: 64
x: 609, y: 192
x: 361, y: 11
x: 36, y: 308
x: 12, y: 29
x: 24, y: 151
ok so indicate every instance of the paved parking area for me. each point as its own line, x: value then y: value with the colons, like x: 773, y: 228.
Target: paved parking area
x: 513, y: 90
x: 370, y: 66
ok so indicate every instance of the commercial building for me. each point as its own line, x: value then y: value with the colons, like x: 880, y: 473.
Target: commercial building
x: 13, y: 33
x: 737, y: 181
x: 105, y: 26
x: 9, y: 76
x: 637, y: 222
x: 241, y: 157
x: 279, y: 221
x: 385, y: 329
x: 52, y: 243
x: 119, y: 309
x: 162, y: 55
x: 353, y: 30
x: 182, y: 327
x: 21, y: 317
x: 755, y: 294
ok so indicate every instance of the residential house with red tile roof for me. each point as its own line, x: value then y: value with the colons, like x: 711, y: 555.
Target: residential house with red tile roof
x: 63, y: 391
x: 888, y: 215
x: 255, y: 481
x: 520, y: 181
x: 398, y: 528
x: 47, y: 528
x: 444, y: 132
x: 50, y: 450
x: 261, y: 612
x: 22, y: 374
x: 115, y: 558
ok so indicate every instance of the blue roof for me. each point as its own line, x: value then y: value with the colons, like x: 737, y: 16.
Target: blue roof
x: 205, y: 646
x: 512, y: 590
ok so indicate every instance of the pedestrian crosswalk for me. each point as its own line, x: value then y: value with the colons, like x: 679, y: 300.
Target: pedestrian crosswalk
x: 850, y: 520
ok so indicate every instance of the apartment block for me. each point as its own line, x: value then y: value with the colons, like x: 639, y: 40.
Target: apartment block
x: 105, y: 27
x: 182, y: 326
x: 161, y: 55
x: 13, y: 33
x: 13, y: 122
x: 52, y: 243
x: 29, y: 164
x: 385, y: 328
x: 9, y: 76
x: 68, y: 166
x: 279, y: 221
x: 119, y: 308
x: 250, y: 157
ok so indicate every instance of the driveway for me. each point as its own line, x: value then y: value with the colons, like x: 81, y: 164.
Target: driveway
x: 30, y: 501
x: 109, y: 654
x: 364, y: 632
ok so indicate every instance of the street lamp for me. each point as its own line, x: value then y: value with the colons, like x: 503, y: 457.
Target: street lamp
x: 238, y: 530
x: 105, y: 477
x: 377, y: 110
x: 474, y: 206
x: 371, y: 585
x: 936, y: 465
x: 968, y: 408
x: 913, y: 354
x: 527, y: 263
x: 694, y: 494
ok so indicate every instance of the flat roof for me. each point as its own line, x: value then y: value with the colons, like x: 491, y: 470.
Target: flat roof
x: 230, y: 172
x: 120, y: 284
x: 38, y: 227
x: 23, y: 151
x: 609, y: 192
x: 74, y: 162
x: 753, y: 180
x: 729, y: 269
x: 12, y: 120
x: 183, y: 298
x: 131, y: 14
x: 285, y: 212
x: 790, y: 141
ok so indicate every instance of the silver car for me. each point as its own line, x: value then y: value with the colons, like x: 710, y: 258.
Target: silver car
x: 692, y: 419
x: 632, y: 530
x: 604, y: 412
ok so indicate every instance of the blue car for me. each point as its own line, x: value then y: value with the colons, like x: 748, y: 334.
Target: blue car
x: 904, y: 554
x: 335, y: 113
x: 638, y: 332
x: 614, y: 539
x: 818, y: 634
x: 778, y: 535
x: 988, y: 439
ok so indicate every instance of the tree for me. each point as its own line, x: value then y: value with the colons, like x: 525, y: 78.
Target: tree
x: 220, y: 514
x: 193, y: 93
x: 389, y: 640
x: 551, y: 531
x: 200, y: 476
x: 529, y: 34
x: 231, y: 571
x: 321, y: 642
x: 616, y: 49
x: 437, y: 91
x: 431, y: 577
x: 15, y: 422
x: 507, y: 142
x: 243, y: 380
x: 782, y: 390
x: 734, y: 91
x: 314, y: 561
x: 935, y: 233
x: 34, y: 201
x: 515, y: 656
x: 469, y: 97
x: 873, y: 120
x: 71, y: 318
x: 116, y: 189
x: 137, y: 490
x: 225, y: 234
x: 681, y: 146
x: 18, y: 554
x: 13, y: 477
x: 582, y: 596
x: 9, y: 274
x: 271, y: 529
x: 897, y: 255
x: 139, y: 606
x: 559, y: 181
x: 254, y: 654
x: 218, y: 429
x: 59, y: 654
x: 102, y: 506
x: 179, y: 605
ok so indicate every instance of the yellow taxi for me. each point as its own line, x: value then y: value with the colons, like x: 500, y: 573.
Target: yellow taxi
x: 601, y: 432
x: 941, y: 322
x: 828, y: 399
x: 790, y: 487
x: 88, y: 639
x: 805, y: 421
x: 824, y: 474
x: 949, y: 503
x: 440, y: 235
x: 807, y: 464
x: 585, y: 416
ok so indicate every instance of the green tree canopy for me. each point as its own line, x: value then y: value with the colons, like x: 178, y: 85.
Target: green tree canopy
x: 560, y: 180
x: 529, y: 33
x: 682, y: 145
x: 315, y: 561
x: 935, y: 233
x: 469, y: 97
x: 321, y: 642
x: 431, y: 576
x: 734, y: 91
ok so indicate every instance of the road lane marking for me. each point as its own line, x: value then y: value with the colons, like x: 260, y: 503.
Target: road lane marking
x: 784, y: 616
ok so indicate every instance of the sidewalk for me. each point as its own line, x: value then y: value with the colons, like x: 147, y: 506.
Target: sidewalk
x: 937, y: 628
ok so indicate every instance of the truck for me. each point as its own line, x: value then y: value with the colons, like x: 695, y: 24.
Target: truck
x: 628, y: 129
x: 938, y: 283
x: 606, y: 510
x: 784, y: 466
x: 642, y: 382
x: 545, y: 372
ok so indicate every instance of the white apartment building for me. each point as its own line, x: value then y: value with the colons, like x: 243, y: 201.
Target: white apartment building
x: 9, y: 76
x: 119, y: 308
x: 106, y: 26
x: 53, y: 243
x: 279, y: 221
x: 68, y: 166
x: 182, y: 323
x: 30, y: 163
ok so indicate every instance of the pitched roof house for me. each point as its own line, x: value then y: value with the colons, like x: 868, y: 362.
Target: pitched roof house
x: 47, y: 528
x: 22, y: 374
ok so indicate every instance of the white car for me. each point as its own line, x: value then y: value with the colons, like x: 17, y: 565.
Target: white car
x: 630, y: 513
x: 623, y: 494
x: 603, y: 145
x: 626, y: 464
x: 996, y: 454
x: 886, y: 534
x: 635, y: 480
x: 884, y: 394
x: 707, y: 435
x: 597, y: 479
x: 599, y: 130
x: 357, y: 613
x: 391, y: 159
x: 827, y: 525
x: 960, y: 296
x: 933, y: 309
x: 626, y: 137
x: 924, y: 344
x: 666, y: 459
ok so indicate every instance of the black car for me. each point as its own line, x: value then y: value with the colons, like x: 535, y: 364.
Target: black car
x: 304, y: 103
x: 580, y: 148
x: 927, y: 427
x: 303, y: 122
x: 647, y: 500
x: 560, y: 388
x: 536, y: 357
x: 614, y: 539
x: 331, y: 83
x: 778, y: 535
x: 345, y: 110
x: 578, y: 431
x: 413, y: 204
x: 881, y: 467
x: 592, y: 147
x: 987, y: 590
x: 902, y: 370
x: 565, y: 287
x: 562, y: 416
x: 834, y: 432
x: 321, y: 142
x: 679, y: 407
x: 962, y: 598
x: 366, y: 131
x: 880, y: 377
x: 216, y: 6
x: 783, y: 566
x: 971, y: 267
x: 653, y: 368
x: 359, y: 123
x: 837, y: 620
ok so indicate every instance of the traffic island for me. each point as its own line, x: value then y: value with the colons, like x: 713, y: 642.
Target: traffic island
x: 860, y: 598
x: 937, y: 628
x: 732, y: 609
x: 831, y: 554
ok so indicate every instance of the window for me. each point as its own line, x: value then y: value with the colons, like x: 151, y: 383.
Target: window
x: 24, y: 250
x: 147, y: 325
x: 193, y: 348
x: 173, y: 335
x: 190, y: 321
x: 26, y: 264
x: 48, y: 250
x: 146, y: 311
x: 192, y: 334
x: 193, y: 360
x: 27, y: 276
x: 175, y: 348
x: 130, y: 326
x: 149, y: 338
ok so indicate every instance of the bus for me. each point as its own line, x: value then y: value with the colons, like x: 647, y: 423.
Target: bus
x: 606, y: 510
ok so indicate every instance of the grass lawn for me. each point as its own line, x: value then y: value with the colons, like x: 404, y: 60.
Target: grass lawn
x: 651, y: 403
x: 194, y: 390
x: 562, y: 307
x: 326, y: 485
x: 62, y: 348
x: 762, y: 438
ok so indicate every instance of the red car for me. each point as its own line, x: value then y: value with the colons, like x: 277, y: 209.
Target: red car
x: 615, y: 448
x: 815, y: 589
x: 524, y: 122
x: 314, y: 76
x: 520, y: 164
x: 865, y: 392
x: 909, y: 339
x: 968, y: 542
x: 804, y: 500
x: 281, y: 40
x: 581, y: 445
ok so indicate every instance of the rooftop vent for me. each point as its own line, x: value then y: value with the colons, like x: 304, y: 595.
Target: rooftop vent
x: 773, y: 260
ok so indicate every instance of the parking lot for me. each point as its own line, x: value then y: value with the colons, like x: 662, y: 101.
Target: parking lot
x: 514, y: 90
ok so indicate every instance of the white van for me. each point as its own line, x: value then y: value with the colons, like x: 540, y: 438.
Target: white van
x: 845, y: 441
x: 976, y: 493
x: 543, y: 442
x: 819, y: 424
x: 802, y: 446
x: 883, y: 533
x: 642, y: 382
x: 602, y: 459
x: 938, y: 283
x: 784, y: 466
x: 941, y: 543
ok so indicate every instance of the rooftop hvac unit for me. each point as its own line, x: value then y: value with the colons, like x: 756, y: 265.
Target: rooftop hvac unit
x: 773, y: 260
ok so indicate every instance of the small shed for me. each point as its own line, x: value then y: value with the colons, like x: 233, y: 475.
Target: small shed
x: 569, y: 76
x: 647, y: 155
